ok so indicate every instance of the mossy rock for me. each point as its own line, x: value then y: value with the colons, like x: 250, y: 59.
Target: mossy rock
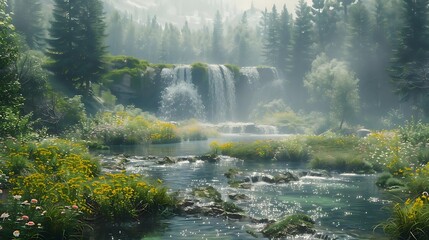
x: 232, y: 172
x: 231, y: 207
x: 208, y: 193
x: 297, y: 224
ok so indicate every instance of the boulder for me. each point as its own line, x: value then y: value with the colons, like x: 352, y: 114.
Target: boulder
x: 293, y: 225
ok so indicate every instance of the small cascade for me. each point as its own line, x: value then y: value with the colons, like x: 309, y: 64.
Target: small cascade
x: 252, y: 75
x: 246, y: 128
x: 181, y: 73
x: 267, y: 129
x: 222, y: 102
x: 180, y: 100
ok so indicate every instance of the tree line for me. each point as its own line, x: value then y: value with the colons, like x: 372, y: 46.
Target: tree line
x: 381, y: 43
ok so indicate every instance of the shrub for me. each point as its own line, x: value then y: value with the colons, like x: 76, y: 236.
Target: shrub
x: 382, y: 179
x: 163, y: 132
x: 122, y: 196
x: 409, y: 220
x: 28, y: 219
x: 60, y: 173
x: 193, y: 131
x: 414, y: 132
x: 293, y: 149
x: 264, y: 150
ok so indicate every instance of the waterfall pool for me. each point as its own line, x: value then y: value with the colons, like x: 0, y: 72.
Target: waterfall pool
x: 344, y: 206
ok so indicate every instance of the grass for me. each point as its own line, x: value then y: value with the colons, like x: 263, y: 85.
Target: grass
x: 58, y: 186
x: 339, y: 153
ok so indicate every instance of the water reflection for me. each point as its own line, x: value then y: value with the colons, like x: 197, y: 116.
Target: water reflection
x: 345, y: 206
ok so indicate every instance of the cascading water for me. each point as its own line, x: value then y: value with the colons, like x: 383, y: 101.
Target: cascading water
x: 180, y: 100
x: 181, y: 73
x: 222, y: 99
x: 252, y: 75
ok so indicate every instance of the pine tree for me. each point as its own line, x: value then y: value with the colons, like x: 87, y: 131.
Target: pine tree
x: 28, y: 21
x: 325, y: 21
x: 242, y: 39
x: 285, y: 33
x: 410, y: 60
x: 218, y: 49
x: 115, y: 40
x: 187, y: 45
x: 76, y: 43
x: 272, y: 39
x: 302, y: 55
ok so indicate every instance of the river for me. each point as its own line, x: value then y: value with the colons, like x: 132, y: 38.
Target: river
x: 344, y: 206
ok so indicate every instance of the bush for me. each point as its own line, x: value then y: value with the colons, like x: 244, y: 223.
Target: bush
x: 264, y: 150
x: 382, y: 179
x: 293, y: 149
x: 124, y: 197
x: 62, y: 173
x: 414, y: 132
x: 409, y: 220
x: 194, y: 131
x: 28, y: 219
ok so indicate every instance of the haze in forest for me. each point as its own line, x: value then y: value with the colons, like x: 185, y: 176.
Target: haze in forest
x: 196, y: 12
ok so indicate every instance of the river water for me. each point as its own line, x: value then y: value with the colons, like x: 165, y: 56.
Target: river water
x: 344, y: 206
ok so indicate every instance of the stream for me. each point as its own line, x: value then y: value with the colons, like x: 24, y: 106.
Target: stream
x: 344, y: 206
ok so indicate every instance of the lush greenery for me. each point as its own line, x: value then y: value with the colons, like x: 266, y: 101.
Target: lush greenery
x: 56, y: 188
x: 11, y: 121
x: 401, y: 157
x: 129, y: 125
x: 76, y: 43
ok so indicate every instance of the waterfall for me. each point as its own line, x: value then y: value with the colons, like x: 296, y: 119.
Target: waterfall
x: 252, y: 75
x: 222, y: 100
x: 181, y: 73
x: 180, y: 100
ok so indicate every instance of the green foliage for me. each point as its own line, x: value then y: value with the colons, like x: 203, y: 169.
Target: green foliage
x: 264, y: 150
x: 408, y: 70
x: 125, y: 126
x: 289, y: 226
x: 332, y: 82
x: 338, y: 153
x: 409, y: 220
x: 28, y: 19
x: 415, y: 132
x: 207, y: 192
x: 28, y: 219
x: 11, y: 122
x: 125, y: 197
x: 382, y: 179
x: 33, y: 79
x: 293, y: 149
x: 76, y: 43
x: 387, y: 152
x: 234, y: 69
x: 194, y: 131
x: 61, y: 113
x: 118, y: 62
x: 62, y: 173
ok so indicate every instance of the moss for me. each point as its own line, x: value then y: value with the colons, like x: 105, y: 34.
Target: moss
x: 290, y: 226
x: 200, y: 77
x: 162, y: 65
x: 231, y: 207
x: 117, y: 62
x: 207, y: 192
x: 232, y: 172
x: 234, y: 69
